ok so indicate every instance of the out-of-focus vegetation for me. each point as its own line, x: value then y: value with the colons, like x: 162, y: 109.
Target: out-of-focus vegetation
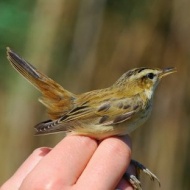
x: 86, y: 45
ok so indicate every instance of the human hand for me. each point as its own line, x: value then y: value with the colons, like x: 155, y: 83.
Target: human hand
x: 77, y: 162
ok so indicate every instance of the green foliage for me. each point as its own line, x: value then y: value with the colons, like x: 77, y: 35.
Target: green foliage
x: 14, y: 24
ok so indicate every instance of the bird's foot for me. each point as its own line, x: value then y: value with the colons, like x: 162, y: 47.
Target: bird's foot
x: 135, y: 180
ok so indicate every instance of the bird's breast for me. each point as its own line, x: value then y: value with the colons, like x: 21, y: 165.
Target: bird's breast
x: 136, y: 121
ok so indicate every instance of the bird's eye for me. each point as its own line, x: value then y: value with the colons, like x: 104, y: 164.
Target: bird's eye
x: 150, y: 75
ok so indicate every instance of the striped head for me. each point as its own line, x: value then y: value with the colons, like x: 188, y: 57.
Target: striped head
x: 143, y: 78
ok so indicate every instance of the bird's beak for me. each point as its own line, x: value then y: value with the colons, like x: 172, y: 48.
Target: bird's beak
x: 167, y: 71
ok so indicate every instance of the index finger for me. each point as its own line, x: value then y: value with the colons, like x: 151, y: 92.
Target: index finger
x: 63, y: 165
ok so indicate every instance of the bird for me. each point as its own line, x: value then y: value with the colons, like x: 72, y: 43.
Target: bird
x: 113, y: 111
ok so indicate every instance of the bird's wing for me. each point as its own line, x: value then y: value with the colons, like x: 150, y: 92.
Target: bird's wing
x: 111, y: 110
x: 118, y: 111
x: 106, y: 113
x: 55, y: 97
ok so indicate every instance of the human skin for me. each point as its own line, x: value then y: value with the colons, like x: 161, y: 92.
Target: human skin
x: 75, y: 163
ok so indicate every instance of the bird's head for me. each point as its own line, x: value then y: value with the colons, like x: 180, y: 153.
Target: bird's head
x: 143, y: 79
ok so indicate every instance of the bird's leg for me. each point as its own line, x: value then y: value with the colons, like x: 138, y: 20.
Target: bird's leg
x: 135, y: 180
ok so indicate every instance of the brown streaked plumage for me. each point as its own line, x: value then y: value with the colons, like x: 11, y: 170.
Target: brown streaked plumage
x: 116, y: 110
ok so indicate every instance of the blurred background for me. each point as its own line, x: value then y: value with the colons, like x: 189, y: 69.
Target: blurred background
x: 88, y: 44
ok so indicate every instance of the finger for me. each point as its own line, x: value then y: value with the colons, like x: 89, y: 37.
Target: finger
x: 107, y: 165
x: 15, y: 181
x: 63, y: 165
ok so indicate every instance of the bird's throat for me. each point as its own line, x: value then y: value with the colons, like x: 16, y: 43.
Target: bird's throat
x: 149, y: 93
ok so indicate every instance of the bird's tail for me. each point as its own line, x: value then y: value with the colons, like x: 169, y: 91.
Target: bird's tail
x: 55, y: 97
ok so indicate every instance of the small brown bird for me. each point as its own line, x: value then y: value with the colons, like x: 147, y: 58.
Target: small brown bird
x: 116, y: 110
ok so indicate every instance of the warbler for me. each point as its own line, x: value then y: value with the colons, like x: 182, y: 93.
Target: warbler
x: 113, y: 111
